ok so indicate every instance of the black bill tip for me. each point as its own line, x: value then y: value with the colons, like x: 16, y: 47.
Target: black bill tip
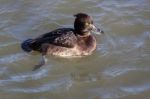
x: 99, y: 30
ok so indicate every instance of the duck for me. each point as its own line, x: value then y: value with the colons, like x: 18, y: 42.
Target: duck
x: 65, y: 42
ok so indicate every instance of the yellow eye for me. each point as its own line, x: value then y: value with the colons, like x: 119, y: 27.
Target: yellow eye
x: 86, y: 24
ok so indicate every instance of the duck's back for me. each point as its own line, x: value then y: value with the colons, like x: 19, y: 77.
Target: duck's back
x: 64, y: 37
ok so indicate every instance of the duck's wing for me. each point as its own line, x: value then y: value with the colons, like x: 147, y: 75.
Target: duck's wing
x: 64, y: 37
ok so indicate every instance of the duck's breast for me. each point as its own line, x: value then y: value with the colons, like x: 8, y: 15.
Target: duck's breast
x: 63, y: 51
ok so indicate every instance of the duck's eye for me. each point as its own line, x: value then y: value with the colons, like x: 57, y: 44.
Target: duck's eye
x: 87, y: 24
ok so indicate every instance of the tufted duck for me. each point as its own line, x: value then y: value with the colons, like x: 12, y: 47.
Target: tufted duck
x: 65, y: 42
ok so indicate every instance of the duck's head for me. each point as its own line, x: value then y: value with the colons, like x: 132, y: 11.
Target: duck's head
x: 84, y: 25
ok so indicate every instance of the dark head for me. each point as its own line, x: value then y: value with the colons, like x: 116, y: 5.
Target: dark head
x: 84, y: 24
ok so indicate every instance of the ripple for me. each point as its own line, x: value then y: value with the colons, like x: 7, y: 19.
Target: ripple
x: 118, y: 45
x: 57, y: 85
x: 11, y: 58
x: 24, y: 77
x: 30, y: 76
x: 127, y: 54
x: 117, y: 92
x: 8, y: 44
x: 117, y: 71
x: 108, y: 93
x: 136, y: 89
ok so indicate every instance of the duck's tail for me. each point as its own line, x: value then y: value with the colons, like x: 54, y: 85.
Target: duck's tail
x: 26, y: 45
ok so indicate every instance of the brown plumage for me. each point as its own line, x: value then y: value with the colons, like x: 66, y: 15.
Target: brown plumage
x: 66, y: 42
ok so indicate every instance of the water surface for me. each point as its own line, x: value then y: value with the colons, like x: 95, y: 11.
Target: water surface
x: 118, y: 69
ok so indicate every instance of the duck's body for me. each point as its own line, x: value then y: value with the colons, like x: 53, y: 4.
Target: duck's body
x: 66, y: 42
x: 72, y: 45
x: 63, y: 42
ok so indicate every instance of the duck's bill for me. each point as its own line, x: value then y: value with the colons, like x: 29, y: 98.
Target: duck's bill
x: 96, y: 30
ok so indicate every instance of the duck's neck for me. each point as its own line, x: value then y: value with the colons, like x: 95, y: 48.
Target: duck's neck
x: 87, y: 43
x: 82, y: 34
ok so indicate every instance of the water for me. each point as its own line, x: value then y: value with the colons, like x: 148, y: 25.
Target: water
x: 118, y: 69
